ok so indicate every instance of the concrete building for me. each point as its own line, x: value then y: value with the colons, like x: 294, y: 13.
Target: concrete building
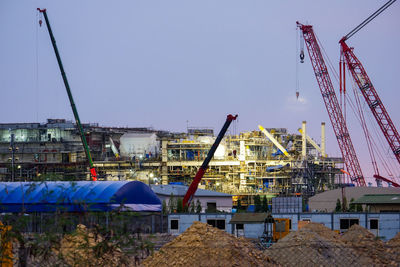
x: 211, y: 201
x: 178, y: 223
x: 326, y: 201
x: 250, y: 225
x: 382, y: 225
x: 380, y: 202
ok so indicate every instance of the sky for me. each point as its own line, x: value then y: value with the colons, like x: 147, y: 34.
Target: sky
x: 178, y: 63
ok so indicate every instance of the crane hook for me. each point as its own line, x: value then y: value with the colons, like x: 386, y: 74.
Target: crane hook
x: 40, y: 22
x: 301, y: 56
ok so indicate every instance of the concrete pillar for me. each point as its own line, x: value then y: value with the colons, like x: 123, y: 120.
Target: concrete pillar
x: 323, y: 145
x: 303, y: 140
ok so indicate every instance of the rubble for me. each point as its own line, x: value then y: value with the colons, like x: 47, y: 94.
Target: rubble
x: 204, y: 245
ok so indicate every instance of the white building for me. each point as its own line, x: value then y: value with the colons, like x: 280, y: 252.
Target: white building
x: 138, y: 145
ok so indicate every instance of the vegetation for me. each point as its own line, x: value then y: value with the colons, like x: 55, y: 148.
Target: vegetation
x: 45, y: 239
x: 338, y: 207
x: 198, y: 207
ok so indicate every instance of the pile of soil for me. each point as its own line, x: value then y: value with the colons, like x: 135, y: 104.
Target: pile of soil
x: 204, y: 245
x: 314, y: 245
x: 367, y: 245
x: 395, y: 241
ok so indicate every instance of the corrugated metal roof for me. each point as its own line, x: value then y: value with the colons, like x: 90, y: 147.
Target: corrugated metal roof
x: 77, y: 196
x: 180, y: 190
x: 249, y: 218
x: 379, y: 199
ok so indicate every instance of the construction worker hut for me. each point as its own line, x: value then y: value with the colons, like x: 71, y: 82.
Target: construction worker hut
x: 130, y: 204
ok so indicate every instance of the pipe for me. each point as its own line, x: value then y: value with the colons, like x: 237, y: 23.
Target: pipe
x: 303, y: 140
x: 323, y: 142
x: 274, y: 141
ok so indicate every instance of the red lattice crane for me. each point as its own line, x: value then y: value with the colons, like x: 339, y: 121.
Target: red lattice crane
x: 332, y: 105
x: 367, y: 89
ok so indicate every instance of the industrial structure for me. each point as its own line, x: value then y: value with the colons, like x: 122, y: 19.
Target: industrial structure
x: 244, y: 165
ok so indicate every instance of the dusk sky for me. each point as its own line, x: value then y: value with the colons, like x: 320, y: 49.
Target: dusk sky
x: 169, y: 64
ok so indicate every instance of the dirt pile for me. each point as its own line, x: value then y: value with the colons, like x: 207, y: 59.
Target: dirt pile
x: 314, y: 245
x: 204, y: 245
x: 393, y: 247
x: 86, y: 248
x: 395, y: 241
x: 367, y: 245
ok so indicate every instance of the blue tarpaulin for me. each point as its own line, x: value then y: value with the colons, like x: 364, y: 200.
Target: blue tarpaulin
x: 77, y: 196
x: 276, y: 168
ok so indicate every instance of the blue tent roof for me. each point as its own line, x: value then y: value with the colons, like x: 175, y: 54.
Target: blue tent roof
x: 77, y: 196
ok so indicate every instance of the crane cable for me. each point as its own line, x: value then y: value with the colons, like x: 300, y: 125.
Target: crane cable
x: 37, y: 67
x: 367, y: 20
x: 297, y: 85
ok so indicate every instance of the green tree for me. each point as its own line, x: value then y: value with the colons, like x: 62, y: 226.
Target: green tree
x: 171, y: 204
x: 359, y: 208
x: 164, y: 207
x: 257, y: 203
x: 264, y: 204
x: 352, y: 206
x: 198, y: 206
x: 338, y: 206
x: 179, y: 206
x: 239, y: 206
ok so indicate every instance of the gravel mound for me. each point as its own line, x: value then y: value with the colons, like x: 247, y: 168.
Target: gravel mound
x: 204, y: 245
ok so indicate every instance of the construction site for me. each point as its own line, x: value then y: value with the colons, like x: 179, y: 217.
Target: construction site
x: 269, y: 162
x: 86, y: 194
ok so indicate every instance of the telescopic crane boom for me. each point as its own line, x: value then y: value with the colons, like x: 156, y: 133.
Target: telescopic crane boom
x: 200, y: 173
x: 332, y: 105
x: 71, y: 99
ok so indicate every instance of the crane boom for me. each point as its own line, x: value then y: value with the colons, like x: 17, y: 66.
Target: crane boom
x: 200, y: 173
x: 71, y: 99
x: 367, y: 89
x: 332, y: 105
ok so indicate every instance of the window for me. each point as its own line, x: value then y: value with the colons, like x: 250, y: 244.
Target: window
x: 174, y: 224
x: 220, y: 224
x: 347, y: 223
x: 373, y: 224
x: 239, y: 226
x: 211, y: 206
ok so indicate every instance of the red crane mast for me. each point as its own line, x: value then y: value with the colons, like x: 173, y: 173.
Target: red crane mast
x: 367, y: 89
x: 332, y: 105
x: 200, y: 173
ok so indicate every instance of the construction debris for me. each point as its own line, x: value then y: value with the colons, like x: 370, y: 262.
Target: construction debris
x: 204, y: 245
